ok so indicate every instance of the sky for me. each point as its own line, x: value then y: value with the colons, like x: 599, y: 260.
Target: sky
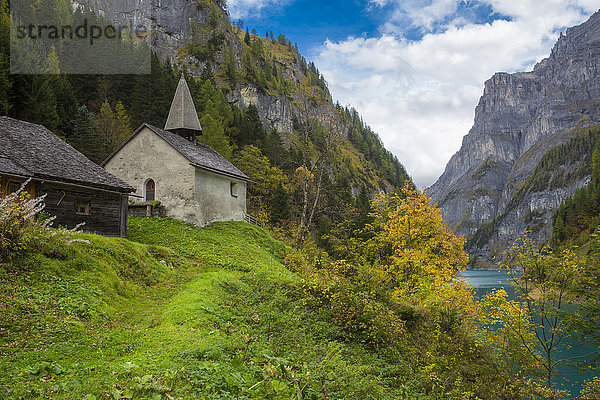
x: 415, y: 69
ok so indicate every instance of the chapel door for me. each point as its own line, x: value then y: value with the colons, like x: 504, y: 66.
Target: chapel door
x: 150, y: 190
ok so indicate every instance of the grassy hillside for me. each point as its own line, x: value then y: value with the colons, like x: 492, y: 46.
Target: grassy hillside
x: 114, y: 318
x: 178, y: 312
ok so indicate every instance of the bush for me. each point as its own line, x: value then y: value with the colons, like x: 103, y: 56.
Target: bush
x: 24, y: 227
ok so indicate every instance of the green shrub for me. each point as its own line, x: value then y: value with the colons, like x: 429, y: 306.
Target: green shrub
x: 22, y: 227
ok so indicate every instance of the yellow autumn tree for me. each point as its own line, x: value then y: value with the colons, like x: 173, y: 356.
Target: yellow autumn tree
x: 113, y: 126
x: 412, y: 243
x: 533, y: 333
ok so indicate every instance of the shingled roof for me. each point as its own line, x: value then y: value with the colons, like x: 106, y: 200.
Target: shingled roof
x: 198, y: 154
x: 32, y: 151
x: 7, y: 166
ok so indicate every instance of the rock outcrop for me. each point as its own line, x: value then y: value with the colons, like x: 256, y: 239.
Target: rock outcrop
x: 169, y: 22
x: 519, y: 118
x: 172, y: 24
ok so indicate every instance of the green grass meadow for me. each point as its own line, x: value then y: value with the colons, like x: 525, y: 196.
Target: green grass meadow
x: 177, y: 312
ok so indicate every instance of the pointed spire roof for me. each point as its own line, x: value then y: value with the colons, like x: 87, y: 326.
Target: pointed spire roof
x: 182, y: 114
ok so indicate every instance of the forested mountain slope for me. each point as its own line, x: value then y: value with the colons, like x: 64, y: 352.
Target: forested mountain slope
x: 578, y: 216
x: 520, y: 117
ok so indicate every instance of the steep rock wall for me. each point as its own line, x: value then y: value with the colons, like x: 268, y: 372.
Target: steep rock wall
x: 172, y: 24
x: 518, y: 119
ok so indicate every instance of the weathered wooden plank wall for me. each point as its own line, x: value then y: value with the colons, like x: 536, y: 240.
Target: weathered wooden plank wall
x: 106, y: 208
x: 5, y: 188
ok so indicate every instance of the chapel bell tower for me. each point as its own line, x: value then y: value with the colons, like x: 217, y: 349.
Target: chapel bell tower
x: 183, y: 118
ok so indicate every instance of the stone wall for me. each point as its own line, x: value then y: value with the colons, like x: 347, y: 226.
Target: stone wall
x: 213, y: 194
x: 146, y: 210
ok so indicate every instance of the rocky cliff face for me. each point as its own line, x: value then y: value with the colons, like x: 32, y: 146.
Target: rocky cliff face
x: 519, y: 118
x: 168, y: 23
x: 173, y: 24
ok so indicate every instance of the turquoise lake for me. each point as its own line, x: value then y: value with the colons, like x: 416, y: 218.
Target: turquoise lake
x: 569, y: 377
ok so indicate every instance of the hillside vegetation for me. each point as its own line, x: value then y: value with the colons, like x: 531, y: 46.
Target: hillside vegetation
x: 578, y: 217
x: 183, y: 312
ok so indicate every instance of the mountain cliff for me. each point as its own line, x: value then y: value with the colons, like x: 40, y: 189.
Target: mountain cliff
x: 266, y: 72
x: 519, y: 118
x: 199, y: 36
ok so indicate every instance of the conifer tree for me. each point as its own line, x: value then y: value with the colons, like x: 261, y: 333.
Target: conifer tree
x: 66, y: 104
x: 152, y: 94
x: 105, y: 123
x: 86, y: 138
x: 213, y: 136
x: 209, y: 99
x: 113, y: 126
x: 596, y: 162
x: 34, y: 100
x: 280, y: 207
x: 251, y: 130
x: 247, y: 37
x: 274, y: 148
x: 558, y: 233
x: 230, y: 67
x: 123, y: 125
x: 363, y: 206
x: 207, y: 74
x: 5, y: 82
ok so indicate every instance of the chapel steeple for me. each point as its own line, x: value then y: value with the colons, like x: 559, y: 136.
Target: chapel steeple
x: 183, y: 118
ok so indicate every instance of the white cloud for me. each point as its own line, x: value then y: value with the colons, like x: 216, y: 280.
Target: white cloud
x: 425, y: 13
x: 426, y: 16
x: 239, y: 9
x: 556, y: 10
x: 420, y: 96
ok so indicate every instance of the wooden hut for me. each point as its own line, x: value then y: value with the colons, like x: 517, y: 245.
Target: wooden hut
x: 77, y: 190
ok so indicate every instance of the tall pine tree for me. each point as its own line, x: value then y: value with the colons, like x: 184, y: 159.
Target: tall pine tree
x: 152, y: 94
x: 280, y: 206
x: 5, y: 82
x: 213, y: 136
x: 86, y: 138
x: 251, y: 130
